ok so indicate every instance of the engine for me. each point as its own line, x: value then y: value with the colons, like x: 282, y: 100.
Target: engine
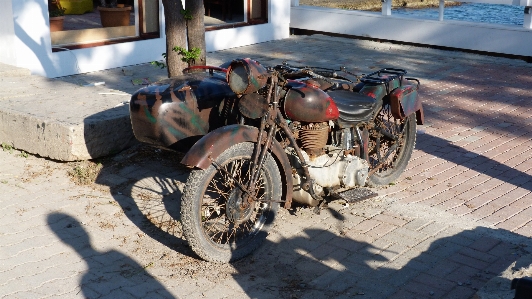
x: 330, y: 165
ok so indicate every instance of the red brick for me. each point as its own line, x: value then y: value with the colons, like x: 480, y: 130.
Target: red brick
x: 451, y: 193
x: 435, y: 282
x: 484, y: 211
x: 460, y: 210
x: 380, y: 230
x: 485, y: 244
x: 525, y: 230
x: 523, y: 202
x: 423, y: 290
x: 476, y: 254
x: 451, y: 203
x: 403, y: 294
x: 488, y: 185
x: 489, y: 197
x: 468, y: 261
x: 443, y: 268
x: 516, y: 221
x: 501, y: 264
x: 366, y: 225
x: 391, y: 219
x: 501, y: 215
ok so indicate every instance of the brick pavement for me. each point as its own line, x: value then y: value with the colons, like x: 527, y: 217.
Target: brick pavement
x: 457, y: 219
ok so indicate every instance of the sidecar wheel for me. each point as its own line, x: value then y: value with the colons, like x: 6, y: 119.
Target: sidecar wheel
x: 391, y: 168
x: 213, y: 225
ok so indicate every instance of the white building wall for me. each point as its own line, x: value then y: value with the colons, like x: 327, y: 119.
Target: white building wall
x: 505, y: 39
x: 7, y: 32
x: 30, y: 44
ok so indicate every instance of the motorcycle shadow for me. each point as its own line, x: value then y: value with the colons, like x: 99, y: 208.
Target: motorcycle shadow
x: 147, y: 184
x: 307, y: 255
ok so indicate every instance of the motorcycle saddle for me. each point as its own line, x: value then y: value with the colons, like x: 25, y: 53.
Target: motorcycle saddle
x: 354, y: 107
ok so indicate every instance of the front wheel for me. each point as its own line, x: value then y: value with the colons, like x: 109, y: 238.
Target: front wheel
x: 214, y: 224
x: 390, y: 146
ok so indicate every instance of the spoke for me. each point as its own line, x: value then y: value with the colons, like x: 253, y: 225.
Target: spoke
x: 219, y: 229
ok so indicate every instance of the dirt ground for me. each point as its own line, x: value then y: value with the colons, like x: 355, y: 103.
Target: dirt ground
x: 374, y: 5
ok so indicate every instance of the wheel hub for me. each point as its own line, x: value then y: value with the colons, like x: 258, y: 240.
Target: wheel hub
x: 234, y: 211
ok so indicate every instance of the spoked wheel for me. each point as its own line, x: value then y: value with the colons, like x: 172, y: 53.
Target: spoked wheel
x: 214, y: 223
x: 390, y: 146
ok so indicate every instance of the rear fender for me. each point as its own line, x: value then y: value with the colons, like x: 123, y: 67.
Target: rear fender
x: 210, y: 146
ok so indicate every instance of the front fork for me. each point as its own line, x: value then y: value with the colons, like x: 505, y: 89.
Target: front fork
x: 259, y: 154
x: 270, y: 123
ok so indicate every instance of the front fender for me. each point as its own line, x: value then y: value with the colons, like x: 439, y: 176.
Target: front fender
x: 216, y: 142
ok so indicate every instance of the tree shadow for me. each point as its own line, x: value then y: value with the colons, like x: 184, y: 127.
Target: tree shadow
x: 107, y: 271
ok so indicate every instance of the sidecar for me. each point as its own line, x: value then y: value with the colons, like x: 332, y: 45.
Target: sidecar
x: 176, y: 112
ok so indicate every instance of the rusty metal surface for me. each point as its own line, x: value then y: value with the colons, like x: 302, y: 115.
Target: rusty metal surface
x: 253, y: 105
x: 216, y: 142
x: 246, y: 76
x: 307, y: 103
x: 404, y: 101
x: 213, y: 144
x: 376, y: 91
x: 174, y: 109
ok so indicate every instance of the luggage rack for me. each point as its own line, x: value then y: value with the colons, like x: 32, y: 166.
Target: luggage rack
x: 376, y: 77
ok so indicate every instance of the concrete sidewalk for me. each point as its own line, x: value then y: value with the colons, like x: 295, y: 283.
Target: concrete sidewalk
x: 457, y: 223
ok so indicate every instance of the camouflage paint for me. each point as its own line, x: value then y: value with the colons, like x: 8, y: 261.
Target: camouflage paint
x: 173, y: 109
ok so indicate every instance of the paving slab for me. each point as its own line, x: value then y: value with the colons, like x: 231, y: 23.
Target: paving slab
x: 426, y: 236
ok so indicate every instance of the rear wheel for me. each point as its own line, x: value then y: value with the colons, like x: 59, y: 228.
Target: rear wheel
x: 215, y: 226
x: 390, y: 147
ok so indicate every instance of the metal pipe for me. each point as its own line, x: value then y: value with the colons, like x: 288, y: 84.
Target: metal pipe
x: 441, y: 9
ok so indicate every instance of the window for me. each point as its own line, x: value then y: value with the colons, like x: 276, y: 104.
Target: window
x: 86, y: 25
x: 231, y: 13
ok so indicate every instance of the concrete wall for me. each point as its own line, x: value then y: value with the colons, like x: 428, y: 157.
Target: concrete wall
x: 506, y: 39
x: 26, y: 42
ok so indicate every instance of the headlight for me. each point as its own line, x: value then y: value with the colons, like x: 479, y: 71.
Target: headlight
x: 246, y: 76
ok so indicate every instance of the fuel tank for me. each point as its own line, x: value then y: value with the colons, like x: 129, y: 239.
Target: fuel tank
x: 304, y: 102
x: 175, y: 112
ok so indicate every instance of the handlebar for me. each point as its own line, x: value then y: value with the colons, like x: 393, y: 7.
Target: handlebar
x: 323, y: 74
x: 205, y: 67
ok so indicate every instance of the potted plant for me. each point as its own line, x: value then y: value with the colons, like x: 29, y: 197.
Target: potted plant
x: 57, y: 15
x: 113, y: 14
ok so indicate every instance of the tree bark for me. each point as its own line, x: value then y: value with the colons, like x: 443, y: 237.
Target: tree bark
x: 196, y: 29
x: 175, y: 29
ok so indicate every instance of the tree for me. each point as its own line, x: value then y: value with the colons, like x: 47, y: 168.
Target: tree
x: 185, y: 30
x: 196, y: 29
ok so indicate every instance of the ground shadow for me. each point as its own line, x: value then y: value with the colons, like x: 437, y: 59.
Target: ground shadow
x: 107, y: 271
x: 320, y: 264
x: 316, y: 263
x: 146, y: 182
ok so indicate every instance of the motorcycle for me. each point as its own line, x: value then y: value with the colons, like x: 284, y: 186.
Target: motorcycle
x: 257, y: 137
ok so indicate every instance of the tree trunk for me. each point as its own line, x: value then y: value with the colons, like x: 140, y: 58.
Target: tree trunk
x: 196, y: 29
x: 175, y: 29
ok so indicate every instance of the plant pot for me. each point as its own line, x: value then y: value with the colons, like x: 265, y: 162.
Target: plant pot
x: 114, y: 16
x: 56, y: 23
